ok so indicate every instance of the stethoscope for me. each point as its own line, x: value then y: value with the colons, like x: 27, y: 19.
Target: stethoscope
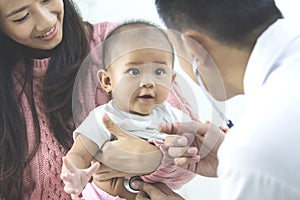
x: 128, y: 182
x: 208, y: 96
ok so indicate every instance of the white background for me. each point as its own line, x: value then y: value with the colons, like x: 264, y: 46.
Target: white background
x: 120, y: 10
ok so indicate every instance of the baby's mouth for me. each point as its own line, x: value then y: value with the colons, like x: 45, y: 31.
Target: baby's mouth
x: 146, y: 96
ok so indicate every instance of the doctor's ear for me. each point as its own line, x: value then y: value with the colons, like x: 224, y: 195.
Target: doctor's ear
x: 104, y: 80
x: 196, y: 42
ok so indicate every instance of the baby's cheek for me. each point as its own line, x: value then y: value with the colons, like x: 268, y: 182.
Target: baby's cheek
x: 125, y: 87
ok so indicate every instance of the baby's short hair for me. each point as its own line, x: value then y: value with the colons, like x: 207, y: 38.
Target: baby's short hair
x: 137, y: 29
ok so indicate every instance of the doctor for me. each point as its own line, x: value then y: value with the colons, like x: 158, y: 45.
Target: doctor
x: 257, y: 53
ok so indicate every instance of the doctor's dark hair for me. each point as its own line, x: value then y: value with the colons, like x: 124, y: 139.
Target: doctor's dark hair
x: 65, y: 61
x: 232, y: 22
x: 130, y: 26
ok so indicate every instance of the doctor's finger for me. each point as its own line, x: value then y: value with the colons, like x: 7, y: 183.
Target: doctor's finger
x: 188, y: 163
x: 169, y: 128
x: 178, y: 128
x: 177, y: 152
x: 150, y: 190
x: 142, y: 196
x: 184, y: 140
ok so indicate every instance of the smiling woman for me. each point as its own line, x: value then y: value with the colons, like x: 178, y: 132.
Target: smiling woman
x: 45, y: 33
x: 37, y: 71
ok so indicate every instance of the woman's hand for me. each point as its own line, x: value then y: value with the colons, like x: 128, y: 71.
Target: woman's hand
x: 195, y: 146
x: 157, y: 191
x: 76, y: 179
x: 128, y: 153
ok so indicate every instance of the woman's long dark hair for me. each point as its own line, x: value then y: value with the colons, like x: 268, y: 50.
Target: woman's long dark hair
x: 57, y: 97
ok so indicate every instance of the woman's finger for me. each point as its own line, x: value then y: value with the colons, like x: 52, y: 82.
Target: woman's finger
x: 114, y: 128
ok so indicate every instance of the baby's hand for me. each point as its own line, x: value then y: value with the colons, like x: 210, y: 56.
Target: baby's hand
x: 75, y: 179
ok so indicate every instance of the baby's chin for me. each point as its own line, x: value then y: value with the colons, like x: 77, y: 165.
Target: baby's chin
x: 142, y: 111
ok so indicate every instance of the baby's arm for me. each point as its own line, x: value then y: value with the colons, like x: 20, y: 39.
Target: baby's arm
x: 75, y: 171
x: 82, y: 152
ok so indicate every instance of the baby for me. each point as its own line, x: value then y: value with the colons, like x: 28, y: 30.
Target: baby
x: 138, y: 63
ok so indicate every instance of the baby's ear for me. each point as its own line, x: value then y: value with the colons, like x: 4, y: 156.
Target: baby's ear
x: 104, y: 80
x: 173, y: 76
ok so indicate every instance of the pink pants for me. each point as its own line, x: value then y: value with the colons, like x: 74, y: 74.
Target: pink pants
x: 92, y: 192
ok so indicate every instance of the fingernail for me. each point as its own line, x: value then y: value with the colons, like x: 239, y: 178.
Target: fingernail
x: 192, y: 150
x: 196, y: 158
x: 135, y: 184
x: 182, y: 141
x: 106, y: 118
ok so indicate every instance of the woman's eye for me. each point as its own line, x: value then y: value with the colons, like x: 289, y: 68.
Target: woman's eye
x: 134, y: 72
x: 159, y: 72
x: 21, y: 19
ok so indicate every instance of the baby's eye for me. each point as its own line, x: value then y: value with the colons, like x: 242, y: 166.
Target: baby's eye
x: 134, y: 72
x: 159, y: 72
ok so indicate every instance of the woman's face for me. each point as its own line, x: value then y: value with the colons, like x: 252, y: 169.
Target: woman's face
x: 34, y: 23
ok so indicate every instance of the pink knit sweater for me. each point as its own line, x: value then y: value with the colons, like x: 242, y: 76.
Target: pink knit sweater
x: 42, y: 175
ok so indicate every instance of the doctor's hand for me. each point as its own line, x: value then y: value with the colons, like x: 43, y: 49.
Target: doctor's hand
x: 130, y: 154
x: 194, y: 145
x: 157, y: 191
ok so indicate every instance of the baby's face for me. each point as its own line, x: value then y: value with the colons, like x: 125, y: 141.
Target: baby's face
x: 141, y: 79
